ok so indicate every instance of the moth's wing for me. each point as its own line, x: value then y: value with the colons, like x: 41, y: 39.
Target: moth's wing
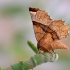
x: 59, y: 27
x: 39, y: 33
x: 44, y: 43
x: 53, y: 33
x: 40, y: 16
x: 58, y: 45
x: 43, y: 17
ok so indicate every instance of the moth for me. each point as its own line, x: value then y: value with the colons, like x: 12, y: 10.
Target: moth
x: 47, y: 31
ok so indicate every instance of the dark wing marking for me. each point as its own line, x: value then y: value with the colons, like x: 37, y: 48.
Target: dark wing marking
x: 39, y: 33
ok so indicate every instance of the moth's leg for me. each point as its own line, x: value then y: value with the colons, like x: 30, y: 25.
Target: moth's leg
x: 38, y: 47
x: 53, y: 52
x: 39, y: 50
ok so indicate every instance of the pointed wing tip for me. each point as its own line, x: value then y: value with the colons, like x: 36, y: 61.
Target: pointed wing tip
x: 65, y: 47
x: 33, y: 9
x: 58, y: 45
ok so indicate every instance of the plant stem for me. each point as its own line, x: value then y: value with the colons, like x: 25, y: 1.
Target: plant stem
x: 32, y: 46
x: 33, y: 61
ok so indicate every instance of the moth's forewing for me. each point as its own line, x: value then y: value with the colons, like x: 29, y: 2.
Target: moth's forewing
x: 43, y: 18
x: 39, y: 28
x: 60, y: 29
x: 40, y: 16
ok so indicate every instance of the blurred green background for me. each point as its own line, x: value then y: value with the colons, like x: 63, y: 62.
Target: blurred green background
x: 16, y: 29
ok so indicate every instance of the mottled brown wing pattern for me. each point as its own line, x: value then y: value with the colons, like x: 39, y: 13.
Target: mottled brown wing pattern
x: 40, y: 16
x: 44, y: 43
x: 39, y: 33
x: 60, y: 29
x: 43, y: 17
x: 40, y: 30
x: 48, y: 31
x: 47, y: 44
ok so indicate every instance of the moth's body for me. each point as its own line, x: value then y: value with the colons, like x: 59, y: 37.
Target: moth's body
x: 48, y: 31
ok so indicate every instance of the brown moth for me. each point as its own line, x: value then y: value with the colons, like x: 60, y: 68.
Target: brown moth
x: 48, y: 31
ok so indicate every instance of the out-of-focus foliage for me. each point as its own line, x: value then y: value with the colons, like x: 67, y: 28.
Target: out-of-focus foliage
x: 16, y: 29
x: 12, y: 10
